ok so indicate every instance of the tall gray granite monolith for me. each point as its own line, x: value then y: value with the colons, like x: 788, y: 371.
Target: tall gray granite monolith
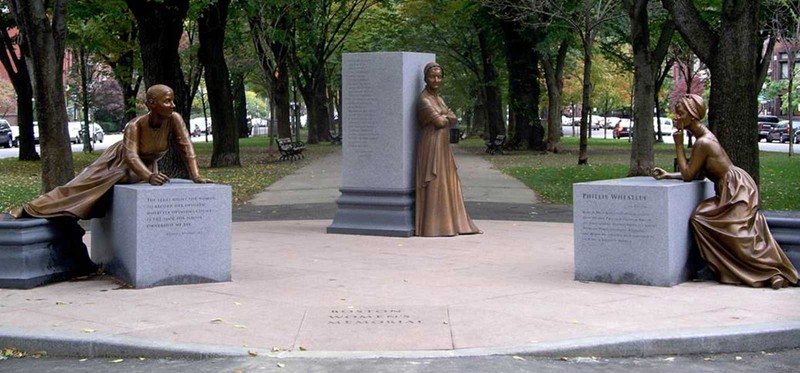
x: 379, y: 125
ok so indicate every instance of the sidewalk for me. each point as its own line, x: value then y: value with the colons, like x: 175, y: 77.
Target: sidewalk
x: 299, y: 292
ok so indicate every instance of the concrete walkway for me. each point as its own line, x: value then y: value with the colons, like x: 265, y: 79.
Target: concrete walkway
x: 299, y: 292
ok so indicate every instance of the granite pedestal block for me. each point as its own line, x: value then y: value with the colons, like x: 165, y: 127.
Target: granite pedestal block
x: 177, y: 233
x: 379, y: 125
x: 34, y: 252
x: 636, y: 230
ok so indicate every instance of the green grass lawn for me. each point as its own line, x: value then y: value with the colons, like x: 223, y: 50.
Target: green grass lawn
x: 21, y: 181
x: 551, y: 175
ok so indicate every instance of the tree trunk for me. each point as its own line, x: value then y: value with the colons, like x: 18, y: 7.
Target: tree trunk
x: 644, y: 70
x: 17, y: 70
x: 160, y: 26
x: 554, y: 73
x: 522, y: 60
x: 494, y: 102
x: 273, y: 57
x: 87, y: 144
x: 211, y: 26
x: 27, y: 148
x: 315, y: 96
x: 240, y: 104
x: 46, y: 36
x: 586, y: 105
x: 553, y: 115
x: 282, y: 112
x: 733, y: 56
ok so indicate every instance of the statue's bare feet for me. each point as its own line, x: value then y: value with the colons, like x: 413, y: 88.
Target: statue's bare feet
x: 777, y: 282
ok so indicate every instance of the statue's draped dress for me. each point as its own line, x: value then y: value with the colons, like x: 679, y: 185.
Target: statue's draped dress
x: 129, y: 161
x: 440, y: 207
x: 733, y: 236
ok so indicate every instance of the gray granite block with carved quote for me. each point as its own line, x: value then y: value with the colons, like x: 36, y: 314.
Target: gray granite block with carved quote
x: 379, y: 124
x: 636, y: 230
x: 176, y: 233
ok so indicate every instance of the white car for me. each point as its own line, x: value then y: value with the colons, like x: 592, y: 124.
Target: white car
x: 76, y: 132
x: 15, y: 134
x: 74, y: 129
x: 97, y: 134
x: 666, y: 126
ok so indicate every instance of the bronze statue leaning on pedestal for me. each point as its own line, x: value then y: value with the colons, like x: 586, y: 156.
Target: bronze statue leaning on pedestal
x: 134, y: 159
x: 440, y: 207
x: 731, y: 232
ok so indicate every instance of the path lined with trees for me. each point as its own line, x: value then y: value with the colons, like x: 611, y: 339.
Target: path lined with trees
x: 514, y: 67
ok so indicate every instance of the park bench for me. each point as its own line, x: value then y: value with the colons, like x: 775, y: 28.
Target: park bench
x: 290, y: 149
x: 785, y: 228
x: 336, y: 139
x: 495, y: 145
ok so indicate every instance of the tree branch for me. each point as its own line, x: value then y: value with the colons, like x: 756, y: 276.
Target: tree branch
x: 695, y: 31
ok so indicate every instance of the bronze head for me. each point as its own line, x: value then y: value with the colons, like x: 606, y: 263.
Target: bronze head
x: 695, y: 105
x: 431, y: 65
x: 155, y: 92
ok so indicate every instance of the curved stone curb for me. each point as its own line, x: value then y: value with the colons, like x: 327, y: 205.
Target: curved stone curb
x: 711, y: 340
x: 56, y: 344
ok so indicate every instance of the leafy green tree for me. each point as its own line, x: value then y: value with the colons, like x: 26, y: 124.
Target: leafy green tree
x: 648, y: 57
x: 585, y: 18
x: 44, y: 26
x: 467, y: 43
x: 272, y: 26
x: 727, y: 36
x: 321, y: 27
x: 14, y: 60
x: 160, y: 24
x: 212, y: 23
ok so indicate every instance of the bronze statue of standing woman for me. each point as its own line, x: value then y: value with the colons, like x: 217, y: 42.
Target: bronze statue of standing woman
x: 440, y: 207
x: 134, y: 159
x: 731, y: 232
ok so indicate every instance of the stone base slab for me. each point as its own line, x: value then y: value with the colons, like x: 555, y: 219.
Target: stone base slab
x: 35, y: 252
x: 374, y: 212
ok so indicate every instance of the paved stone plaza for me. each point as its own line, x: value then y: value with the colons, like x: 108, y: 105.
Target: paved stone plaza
x: 297, y: 291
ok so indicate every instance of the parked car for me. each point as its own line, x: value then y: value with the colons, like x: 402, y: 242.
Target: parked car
x: 97, y: 134
x: 6, y: 138
x: 621, y: 131
x: 780, y: 132
x: 76, y: 132
x: 74, y: 129
x: 666, y: 126
x: 15, y: 134
x: 765, y: 124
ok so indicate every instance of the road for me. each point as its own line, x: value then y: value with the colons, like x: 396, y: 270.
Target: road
x: 762, y: 145
x: 98, y: 147
x: 112, y: 138
x: 777, y: 361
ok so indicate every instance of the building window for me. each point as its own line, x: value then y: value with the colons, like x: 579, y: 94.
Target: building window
x: 784, y: 70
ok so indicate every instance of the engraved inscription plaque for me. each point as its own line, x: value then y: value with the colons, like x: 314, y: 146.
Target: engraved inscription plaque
x: 635, y: 230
